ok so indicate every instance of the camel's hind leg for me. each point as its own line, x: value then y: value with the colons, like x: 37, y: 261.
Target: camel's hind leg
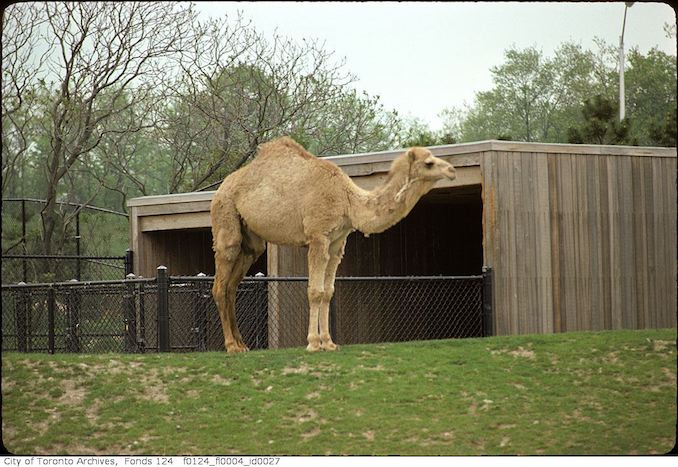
x: 227, y: 244
x: 251, y: 248
x: 226, y: 259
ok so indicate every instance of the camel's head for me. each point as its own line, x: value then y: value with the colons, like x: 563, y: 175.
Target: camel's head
x: 425, y: 166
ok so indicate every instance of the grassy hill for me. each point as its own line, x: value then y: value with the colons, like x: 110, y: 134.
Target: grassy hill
x: 577, y: 393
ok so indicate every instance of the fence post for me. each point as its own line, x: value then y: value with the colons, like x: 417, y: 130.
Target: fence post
x: 129, y: 262
x: 142, y: 317
x: 200, y: 315
x: 163, y: 310
x: 488, y: 312
x: 51, y: 299
x: 130, y: 315
x: 73, y: 310
x: 261, y: 313
x: 78, y: 264
x: 24, y: 267
x: 21, y: 313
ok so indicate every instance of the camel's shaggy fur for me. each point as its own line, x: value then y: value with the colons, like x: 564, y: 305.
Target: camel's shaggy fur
x: 287, y: 196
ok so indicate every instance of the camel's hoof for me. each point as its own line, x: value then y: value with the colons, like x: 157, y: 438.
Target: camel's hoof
x: 313, y: 347
x: 238, y: 349
x: 330, y: 346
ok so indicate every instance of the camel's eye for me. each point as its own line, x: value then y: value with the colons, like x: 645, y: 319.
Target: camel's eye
x: 429, y: 164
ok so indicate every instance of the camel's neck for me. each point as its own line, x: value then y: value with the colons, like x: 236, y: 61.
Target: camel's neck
x: 377, y: 210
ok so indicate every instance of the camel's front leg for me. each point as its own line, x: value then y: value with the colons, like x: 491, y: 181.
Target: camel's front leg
x: 336, y: 254
x: 318, y: 257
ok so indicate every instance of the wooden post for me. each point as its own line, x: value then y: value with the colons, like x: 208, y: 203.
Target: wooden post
x: 129, y: 262
x: 273, y: 297
x: 488, y: 318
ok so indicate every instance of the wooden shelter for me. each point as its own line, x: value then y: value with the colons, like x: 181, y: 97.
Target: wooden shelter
x: 579, y: 237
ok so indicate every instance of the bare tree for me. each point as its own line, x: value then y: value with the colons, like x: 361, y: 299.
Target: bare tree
x: 20, y: 24
x: 106, y: 57
x: 239, y: 89
x: 354, y: 122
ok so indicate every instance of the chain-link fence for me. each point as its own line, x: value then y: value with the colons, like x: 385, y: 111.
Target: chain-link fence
x: 179, y: 314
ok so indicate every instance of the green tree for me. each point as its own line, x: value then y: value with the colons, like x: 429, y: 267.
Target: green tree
x: 580, y: 75
x: 665, y: 133
x: 651, y: 96
x: 537, y: 98
x: 417, y: 133
x: 453, y: 119
x: 601, y: 124
x: 487, y: 118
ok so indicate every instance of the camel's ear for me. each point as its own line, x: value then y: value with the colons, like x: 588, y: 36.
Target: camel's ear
x: 411, y: 155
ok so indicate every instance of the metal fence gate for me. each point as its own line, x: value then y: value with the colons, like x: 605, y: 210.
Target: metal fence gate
x: 178, y: 313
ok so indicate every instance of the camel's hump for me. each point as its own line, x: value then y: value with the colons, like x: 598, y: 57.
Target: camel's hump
x: 283, y: 146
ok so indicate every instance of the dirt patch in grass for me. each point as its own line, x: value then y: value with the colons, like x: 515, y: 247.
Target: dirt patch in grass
x: 378, y: 367
x: 306, y: 416
x: 506, y: 426
x: 311, y: 434
x: 670, y: 374
x: 612, y: 358
x: 73, y: 395
x: 661, y: 346
x: 523, y: 353
x: 353, y: 385
x: 113, y: 367
x: 368, y: 435
x: 218, y: 379
x: 92, y: 411
x: 520, y: 352
x: 301, y: 370
x: 8, y: 385
x: 154, y: 389
x: 306, y: 369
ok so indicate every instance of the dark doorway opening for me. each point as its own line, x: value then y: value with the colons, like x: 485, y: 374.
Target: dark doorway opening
x: 442, y: 235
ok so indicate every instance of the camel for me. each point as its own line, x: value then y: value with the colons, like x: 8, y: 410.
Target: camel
x: 287, y: 196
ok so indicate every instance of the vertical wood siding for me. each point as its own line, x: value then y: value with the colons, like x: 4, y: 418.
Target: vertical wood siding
x: 580, y: 241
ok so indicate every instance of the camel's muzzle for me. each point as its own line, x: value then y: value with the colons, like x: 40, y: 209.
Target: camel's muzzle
x: 450, y: 172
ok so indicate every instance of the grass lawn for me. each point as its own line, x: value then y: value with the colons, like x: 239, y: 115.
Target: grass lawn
x: 575, y: 393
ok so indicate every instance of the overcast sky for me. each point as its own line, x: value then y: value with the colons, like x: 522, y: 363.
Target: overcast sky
x: 423, y: 57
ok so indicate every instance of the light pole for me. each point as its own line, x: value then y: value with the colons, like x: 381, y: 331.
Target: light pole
x: 622, y: 104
